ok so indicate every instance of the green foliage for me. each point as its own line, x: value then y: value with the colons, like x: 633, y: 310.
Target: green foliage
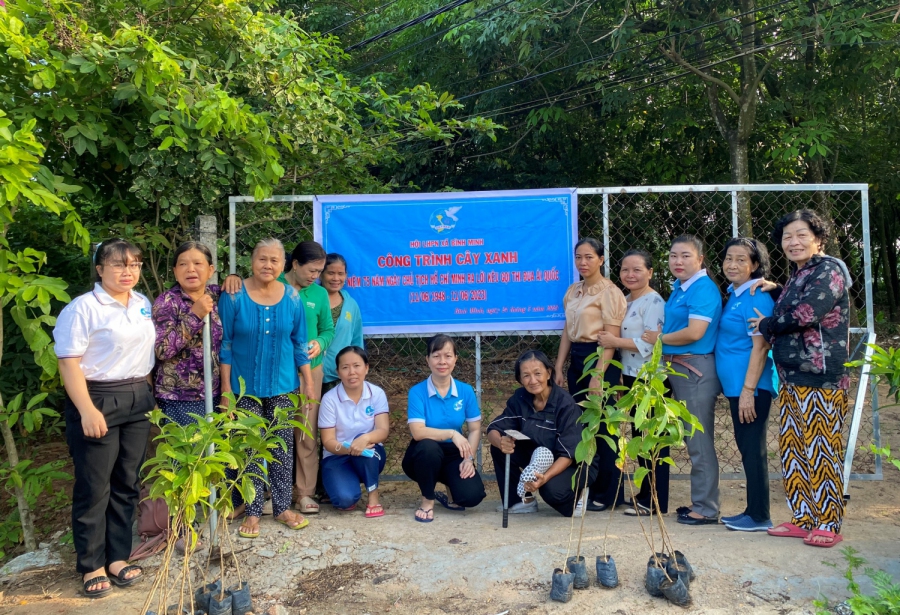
x: 885, y: 601
x: 190, y: 461
x: 884, y: 365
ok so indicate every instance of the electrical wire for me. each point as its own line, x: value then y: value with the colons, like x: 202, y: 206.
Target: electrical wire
x: 409, y: 24
x: 375, y: 10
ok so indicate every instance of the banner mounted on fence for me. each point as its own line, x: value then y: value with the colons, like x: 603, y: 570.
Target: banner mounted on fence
x: 453, y: 262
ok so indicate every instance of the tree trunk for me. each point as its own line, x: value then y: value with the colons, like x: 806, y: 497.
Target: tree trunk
x: 26, y: 518
x: 740, y: 174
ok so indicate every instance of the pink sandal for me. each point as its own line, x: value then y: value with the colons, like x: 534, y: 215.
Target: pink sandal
x: 376, y: 510
x: 835, y: 538
x: 793, y: 531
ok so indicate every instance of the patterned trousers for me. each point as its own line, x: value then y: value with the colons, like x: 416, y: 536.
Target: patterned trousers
x: 812, y: 455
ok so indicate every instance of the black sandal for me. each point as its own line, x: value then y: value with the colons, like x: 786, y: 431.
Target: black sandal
x: 119, y: 580
x: 97, y: 593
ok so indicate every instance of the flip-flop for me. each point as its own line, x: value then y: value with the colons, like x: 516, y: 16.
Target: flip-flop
x: 793, y: 531
x: 308, y: 506
x: 638, y: 510
x: 250, y: 535
x: 348, y: 509
x: 97, y: 593
x: 426, y: 519
x: 119, y: 580
x: 376, y: 510
x: 835, y: 538
x: 441, y: 498
x: 297, y: 526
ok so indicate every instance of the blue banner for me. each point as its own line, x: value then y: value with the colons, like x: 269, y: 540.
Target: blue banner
x: 454, y: 262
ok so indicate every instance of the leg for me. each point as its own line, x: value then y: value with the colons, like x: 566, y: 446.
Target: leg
x: 558, y: 492
x: 699, y: 395
x: 519, y: 458
x: 178, y: 411
x: 340, y: 480
x: 607, y: 488
x: 466, y: 492
x: 125, y: 490
x: 307, y: 451
x: 280, y: 471
x: 795, y: 465
x: 825, y: 448
x: 751, y: 442
x: 368, y: 469
x: 422, y: 463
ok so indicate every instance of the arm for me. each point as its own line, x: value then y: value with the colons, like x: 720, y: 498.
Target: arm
x: 819, y: 296
x: 565, y: 345
x: 690, y: 334
x: 330, y: 443
x: 173, y: 329
x: 357, y: 338
x: 325, y: 327
x: 93, y: 422
x: 747, y: 401
x: 227, y: 311
x: 298, y: 340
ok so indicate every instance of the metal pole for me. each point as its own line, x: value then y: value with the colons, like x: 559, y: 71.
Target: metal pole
x: 506, y: 492
x: 208, y: 398
x: 232, y: 237
x: 734, y: 213
x: 478, y: 390
x: 857, y: 416
x: 867, y: 260
x: 606, y: 234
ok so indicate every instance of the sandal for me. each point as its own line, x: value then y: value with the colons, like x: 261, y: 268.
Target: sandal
x: 835, y: 538
x: 638, y: 510
x: 442, y: 499
x: 248, y: 534
x: 348, y: 509
x: 307, y: 505
x: 97, y: 593
x: 375, y: 510
x: 120, y: 580
x: 298, y: 525
x: 793, y: 531
x: 429, y: 515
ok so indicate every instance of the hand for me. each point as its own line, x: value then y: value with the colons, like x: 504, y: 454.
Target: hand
x: 607, y: 339
x: 651, y: 336
x: 202, y: 306
x: 462, y: 444
x: 507, y: 445
x: 313, y: 350
x: 467, y: 468
x: 559, y: 378
x: 747, y: 406
x: 765, y: 285
x: 93, y: 423
x: 310, y: 395
x: 536, y: 484
x: 753, y: 323
x: 360, y: 444
x: 232, y: 283
x: 594, y: 384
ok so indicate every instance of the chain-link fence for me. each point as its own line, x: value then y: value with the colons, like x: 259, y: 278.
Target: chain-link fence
x: 625, y: 218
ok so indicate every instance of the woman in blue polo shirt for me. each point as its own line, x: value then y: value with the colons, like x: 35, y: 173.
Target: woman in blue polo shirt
x: 747, y: 374
x: 439, y: 452
x: 353, y: 421
x: 689, y: 339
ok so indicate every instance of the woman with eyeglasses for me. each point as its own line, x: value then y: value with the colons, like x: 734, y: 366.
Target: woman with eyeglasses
x: 104, y: 344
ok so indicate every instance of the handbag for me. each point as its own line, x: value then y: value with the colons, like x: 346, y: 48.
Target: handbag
x: 153, y: 526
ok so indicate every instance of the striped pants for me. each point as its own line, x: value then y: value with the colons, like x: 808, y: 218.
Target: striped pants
x: 812, y: 455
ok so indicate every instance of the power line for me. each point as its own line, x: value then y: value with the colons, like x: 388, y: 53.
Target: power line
x: 375, y: 10
x: 409, y: 24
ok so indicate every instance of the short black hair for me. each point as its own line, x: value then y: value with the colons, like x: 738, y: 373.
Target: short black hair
x: 759, y: 255
x: 596, y: 246
x: 648, y: 260
x: 187, y: 246
x: 332, y: 258
x: 533, y: 355
x: 305, y: 252
x: 817, y: 224
x: 354, y: 349
x: 438, y: 342
x: 692, y: 240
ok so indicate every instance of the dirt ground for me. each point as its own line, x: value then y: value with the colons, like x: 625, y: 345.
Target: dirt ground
x: 466, y: 563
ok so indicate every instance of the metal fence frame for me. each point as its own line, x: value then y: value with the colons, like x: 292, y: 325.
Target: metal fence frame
x: 868, y: 331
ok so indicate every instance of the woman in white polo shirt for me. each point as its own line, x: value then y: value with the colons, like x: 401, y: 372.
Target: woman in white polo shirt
x: 104, y: 343
x: 353, y: 421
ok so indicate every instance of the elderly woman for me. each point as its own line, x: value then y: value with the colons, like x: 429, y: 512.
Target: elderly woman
x: 264, y: 342
x: 809, y: 331
x: 593, y: 305
x: 747, y: 375
x: 545, y: 463
x: 439, y: 452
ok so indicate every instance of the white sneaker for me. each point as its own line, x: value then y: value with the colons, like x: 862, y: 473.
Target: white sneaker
x: 521, y: 508
x: 579, y: 508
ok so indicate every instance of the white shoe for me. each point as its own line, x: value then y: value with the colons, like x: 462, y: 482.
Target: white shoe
x: 521, y: 508
x: 579, y: 508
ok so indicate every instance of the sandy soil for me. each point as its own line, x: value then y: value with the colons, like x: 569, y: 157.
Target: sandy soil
x: 466, y: 563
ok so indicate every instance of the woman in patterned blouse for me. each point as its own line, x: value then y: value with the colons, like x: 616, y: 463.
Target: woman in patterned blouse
x: 809, y: 332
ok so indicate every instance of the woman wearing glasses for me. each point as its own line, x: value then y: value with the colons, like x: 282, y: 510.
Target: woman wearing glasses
x: 104, y: 343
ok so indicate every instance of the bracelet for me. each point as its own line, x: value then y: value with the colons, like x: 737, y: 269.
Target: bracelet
x: 337, y: 447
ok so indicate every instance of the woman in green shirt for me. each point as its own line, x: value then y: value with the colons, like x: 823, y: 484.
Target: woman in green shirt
x: 306, y: 263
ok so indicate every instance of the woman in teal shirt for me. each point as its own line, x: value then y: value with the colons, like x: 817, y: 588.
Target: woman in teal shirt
x: 306, y: 264
x: 747, y: 374
x: 348, y: 327
x: 689, y: 339
x: 264, y: 342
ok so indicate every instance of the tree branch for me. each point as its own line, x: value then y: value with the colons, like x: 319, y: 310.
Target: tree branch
x: 676, y: 57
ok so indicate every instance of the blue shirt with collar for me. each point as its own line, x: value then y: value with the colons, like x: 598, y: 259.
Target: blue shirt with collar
x: 697, y: 298
x: 735, y: 341
x: 450, y: 412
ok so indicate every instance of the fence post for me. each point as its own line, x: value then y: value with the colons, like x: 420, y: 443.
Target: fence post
x: 734, y: 213
x: 478, y: 388
x: 232, y: 237
x: 206, y: 234
x: 606, y: 234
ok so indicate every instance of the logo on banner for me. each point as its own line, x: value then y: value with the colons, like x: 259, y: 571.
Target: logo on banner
x: 444, y: 220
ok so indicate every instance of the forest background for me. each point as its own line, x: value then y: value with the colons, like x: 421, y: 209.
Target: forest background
x: 132, y: 117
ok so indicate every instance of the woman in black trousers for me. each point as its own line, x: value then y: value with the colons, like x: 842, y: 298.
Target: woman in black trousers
x: 104, y: 343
